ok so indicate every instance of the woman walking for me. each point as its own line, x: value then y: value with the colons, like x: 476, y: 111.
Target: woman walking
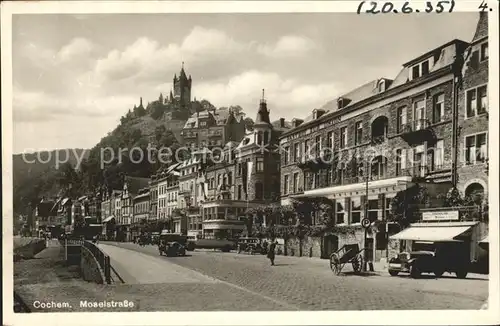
x: 270, y: 252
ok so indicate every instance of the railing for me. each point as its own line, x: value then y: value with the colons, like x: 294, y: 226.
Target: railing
x: 415, y: 125
x: 416, y: 171
x: 101, y: 258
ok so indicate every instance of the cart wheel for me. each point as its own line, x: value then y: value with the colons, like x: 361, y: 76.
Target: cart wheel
x: 357, y: 263
x: 335, y: 263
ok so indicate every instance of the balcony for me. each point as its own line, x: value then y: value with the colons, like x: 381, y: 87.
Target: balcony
x: 416, y: 172
x: 416, y: 132
x: 316, y: 160
x: 378, y: 139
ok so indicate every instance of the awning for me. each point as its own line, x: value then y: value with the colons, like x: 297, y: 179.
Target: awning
x: 485, y: 240
x: 431, y: 233
x: 107, y: 219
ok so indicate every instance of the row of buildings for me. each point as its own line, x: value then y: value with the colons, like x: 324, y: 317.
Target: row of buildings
x: 428, y: 125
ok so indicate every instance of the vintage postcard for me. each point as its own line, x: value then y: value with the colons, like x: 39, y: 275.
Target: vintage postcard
x: 250, y: 163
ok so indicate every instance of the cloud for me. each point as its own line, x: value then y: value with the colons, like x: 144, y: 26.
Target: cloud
x: 77, y: 48
x: 287, y: 97
x: 147, y: 60
x: 40, y: 106
x: 289, y: 46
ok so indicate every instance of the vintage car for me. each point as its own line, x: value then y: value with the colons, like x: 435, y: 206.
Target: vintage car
x: 171, y: 249
x: 445, y: 257
x: 249, y: 245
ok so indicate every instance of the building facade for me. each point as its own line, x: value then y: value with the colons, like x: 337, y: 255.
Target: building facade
x: 361, y: 149
x: 131, y: 187
x: 212, y: 128
x: 473, y: 116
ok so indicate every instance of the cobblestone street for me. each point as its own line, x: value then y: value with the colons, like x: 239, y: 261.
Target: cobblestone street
x: 294, y: 283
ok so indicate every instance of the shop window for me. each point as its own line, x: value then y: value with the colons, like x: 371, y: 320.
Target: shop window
x: 340, y: 212
x: 356, y: 210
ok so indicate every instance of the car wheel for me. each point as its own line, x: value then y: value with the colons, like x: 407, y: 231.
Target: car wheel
x: 439, y: 272
x: 461, y: 274
x: 393, y: 273
x: 414, y: 272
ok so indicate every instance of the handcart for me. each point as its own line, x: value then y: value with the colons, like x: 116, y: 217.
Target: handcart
x: 347, y: 254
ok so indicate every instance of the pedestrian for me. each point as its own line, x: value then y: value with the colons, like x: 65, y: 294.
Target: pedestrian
x: 270, y: 252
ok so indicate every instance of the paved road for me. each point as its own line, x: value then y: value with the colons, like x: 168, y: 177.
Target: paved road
x: 205, y: 278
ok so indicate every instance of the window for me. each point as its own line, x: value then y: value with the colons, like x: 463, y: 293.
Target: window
x: 285, y: 155
x: 316, y: 180
x: 381, y: 86
x: 388, y: 205
x: 438, y: 108
x: 317, y: 144
x: 230, y: 178
x: 401, y: 118
x: 343, y: 137
x: 438, y: 156
x: 484, y: 51
x: 425, y: 68
x: 286, y: 184
x: 358, y: 136
x: 477, y: 101
x: 415, y: 72
x: 307, y: 147
x: 399, y: 159
x: 295, y: 182
x: 240, y: 192
x: 260, y: 164
x: 421, y: 69
x: 340, y: 212
x: 329, y: 139
x: 476, y: 149
x: 419, y: 113
x: 373, y: 209
x: 356, y: 210
x: 296, y: 151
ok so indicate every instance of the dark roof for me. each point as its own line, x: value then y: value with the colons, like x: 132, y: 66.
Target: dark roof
x: 354, y: 96
x: 433, y: 51
x: 481, y: 28
x: 134, y: 184
x: 262, y: 114
x: 277, y: 125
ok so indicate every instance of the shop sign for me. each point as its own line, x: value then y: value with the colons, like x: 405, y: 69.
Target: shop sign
x: 440, y: 216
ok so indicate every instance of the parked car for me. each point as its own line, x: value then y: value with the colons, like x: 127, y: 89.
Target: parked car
x: 171, y: 249
x: 249, y: 245
x: 447, y: 257
x: 223, y: 245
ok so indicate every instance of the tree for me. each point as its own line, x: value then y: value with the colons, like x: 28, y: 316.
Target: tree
x: 248, y: 123
x: 405, y: 206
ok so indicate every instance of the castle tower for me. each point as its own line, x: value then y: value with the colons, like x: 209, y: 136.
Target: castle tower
x: 182, y: 88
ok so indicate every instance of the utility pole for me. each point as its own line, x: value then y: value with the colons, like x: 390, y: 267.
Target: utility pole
x: 367, y: 178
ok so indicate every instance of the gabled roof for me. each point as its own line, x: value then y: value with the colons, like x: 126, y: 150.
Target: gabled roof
x: 481, y: 28
x: 444, y: 55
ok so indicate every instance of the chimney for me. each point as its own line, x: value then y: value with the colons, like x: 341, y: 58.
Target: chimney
x: 282, y: 122
x: 297, y: 122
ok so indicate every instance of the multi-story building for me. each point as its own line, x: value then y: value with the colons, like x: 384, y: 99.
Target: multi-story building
x: 190, y: 192
x: 245, y: 176
x: 141, y: 210
x: 472, y: 101
x: 162, y: 181
x: 131, y: 187
x: 153, y: 198
x: 365, y: 146
x: 212, y: 128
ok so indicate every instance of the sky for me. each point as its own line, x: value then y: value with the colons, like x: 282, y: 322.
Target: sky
x: 74, y: 76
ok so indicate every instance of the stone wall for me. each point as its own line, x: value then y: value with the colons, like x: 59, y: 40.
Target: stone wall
x: 90, y: 268
x: 319, y: 247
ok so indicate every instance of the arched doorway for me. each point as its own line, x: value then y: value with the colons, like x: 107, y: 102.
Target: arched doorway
x: 475, y: 191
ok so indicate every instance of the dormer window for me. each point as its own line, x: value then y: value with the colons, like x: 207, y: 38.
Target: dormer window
x: 421, y: 69
x: 340, y: 103
x: 317, y: 113
x: 381, y: 86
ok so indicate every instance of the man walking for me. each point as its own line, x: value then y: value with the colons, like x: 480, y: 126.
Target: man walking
x: 270, y: 252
